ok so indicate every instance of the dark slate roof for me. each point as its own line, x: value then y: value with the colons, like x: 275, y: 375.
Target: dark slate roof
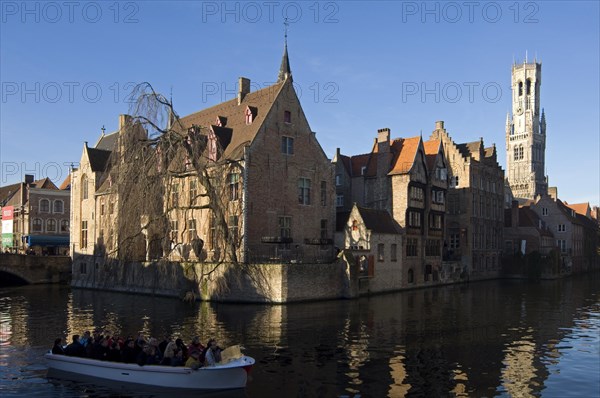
x: 7, y: 192
x: 107, y: 142
x: 341, y: 219
x: 379, y: 221
x: 44, y: 183
x: 98, y: 158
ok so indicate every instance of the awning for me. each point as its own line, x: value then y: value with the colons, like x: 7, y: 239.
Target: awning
x: 47, y: 240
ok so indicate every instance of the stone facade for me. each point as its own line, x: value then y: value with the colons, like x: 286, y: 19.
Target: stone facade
x: 474, y: 217
x: 526, y: 134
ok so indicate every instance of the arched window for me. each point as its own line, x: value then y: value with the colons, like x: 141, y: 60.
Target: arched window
x: 64, y: 226
x: 411, y: 276
x: 520, y: 89
x: 36, y: 225
x: 44, y: 206
x: 528, y: 87
x: 84, y: 187
x: 58, y: 206
x: 51, y: 225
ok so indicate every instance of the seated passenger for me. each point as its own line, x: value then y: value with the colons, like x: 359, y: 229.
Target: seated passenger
x: 213, y: 353
x: 183, y: 349
x: 129, y: 354
x: 193, y: 361
x: 195, y: 346
x: 101, y: 350
x: 172, y: 355
x: 114, y: 353
x: 75, y: 349
x: 58, y: 349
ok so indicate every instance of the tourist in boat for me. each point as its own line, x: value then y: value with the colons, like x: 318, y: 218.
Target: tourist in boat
x: 163, y: 344
x: 58, y: 348
x: 154, y: 344
x: 183, y: 349
x: 213, y: 353
x: 85, y: 339
x: 75, y: 349
x: 114, y: 353
x: 195, y: 346
x: 128, y: 354
x: 148, y: 356
x: 101, y: 350
x: 172, y: 355
x: 193, y: 361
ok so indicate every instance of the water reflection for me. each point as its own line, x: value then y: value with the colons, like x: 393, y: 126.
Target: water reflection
x: 486, y: 339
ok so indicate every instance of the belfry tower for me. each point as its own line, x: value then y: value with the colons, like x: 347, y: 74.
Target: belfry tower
x: 526, y: 134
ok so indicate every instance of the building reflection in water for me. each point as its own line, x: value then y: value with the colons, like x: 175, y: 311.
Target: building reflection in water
x: 486, y: 339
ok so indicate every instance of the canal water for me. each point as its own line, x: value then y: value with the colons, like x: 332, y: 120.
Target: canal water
x: 485, y: 339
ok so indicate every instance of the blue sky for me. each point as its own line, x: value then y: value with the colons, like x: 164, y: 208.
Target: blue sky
x: 67, y: 69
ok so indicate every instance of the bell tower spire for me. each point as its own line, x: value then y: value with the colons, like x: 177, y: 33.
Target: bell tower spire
x: 284, y: 70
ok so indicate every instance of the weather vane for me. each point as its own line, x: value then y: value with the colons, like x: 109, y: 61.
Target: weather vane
x: 286, y: 25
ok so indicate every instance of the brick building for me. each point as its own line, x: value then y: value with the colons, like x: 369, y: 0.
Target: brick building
x: 475, y: 215
x: 36, y: 216
x: 279, y: 185
x: 406, y: 178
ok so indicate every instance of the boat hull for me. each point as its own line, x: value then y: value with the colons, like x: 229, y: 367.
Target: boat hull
x: 231, y: 375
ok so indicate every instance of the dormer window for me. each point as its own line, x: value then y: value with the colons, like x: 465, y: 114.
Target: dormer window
x: 250, y: 114
x: 287, y: 117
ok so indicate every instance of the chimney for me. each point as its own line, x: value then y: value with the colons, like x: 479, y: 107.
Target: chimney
x: 553, y: 192
x: 243, y: 88
x: 439, y: 125
x: 514, y: 214
x: 383, y: 140
x: 28, y: 178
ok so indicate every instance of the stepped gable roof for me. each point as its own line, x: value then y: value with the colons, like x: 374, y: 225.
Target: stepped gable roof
x: 489, y: 152
x: 241, y: 133
x: 107, y: 142
x: 379, y: 221
x: 432, y: 148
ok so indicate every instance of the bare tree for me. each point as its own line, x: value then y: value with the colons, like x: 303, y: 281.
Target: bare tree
x: 157, y: 156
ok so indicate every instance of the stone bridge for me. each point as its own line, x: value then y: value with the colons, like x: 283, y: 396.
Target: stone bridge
x: 35, y: 269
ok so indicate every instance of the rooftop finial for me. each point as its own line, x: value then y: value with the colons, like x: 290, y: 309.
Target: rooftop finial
x: 103, y: 129
x: 525, y: 56
x: 284, y: 70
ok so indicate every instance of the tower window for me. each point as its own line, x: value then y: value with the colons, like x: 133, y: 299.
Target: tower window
x: 528, y: 87
x: 520, y: 89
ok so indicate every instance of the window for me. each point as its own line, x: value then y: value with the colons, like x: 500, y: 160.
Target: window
x: 520, y: 89
x: 191, y: 225
x: 82, y: 268
x: 416, y: 193
x: 454, y: 182
x: 411, y: 247
x: 193, y: 191
x: 324, y: 229
x: 454, y: 241
x: 111, y: 207
x: 437, y: 197
x: 287, y: 117
x: 339, y: 200
x: 561, y: 228
x: 175, y: 195
x: 51, y: 225
x: 84, y: 234
x: 304, y: 191
x: 174, y: 231
x: 44, y: 206
x: 435, y: 221
x: 58, y: 206
x: 323, y: 193
x: 414, y: 219
x: 84, y: 187
x: 233, y: 227
x: 287, y: 145
x: 234, y: 186
x: 36, y: 225
x: 432, y: 248
x: 380, y: 250
x: 64, y: 226
x: 528, y: 87
x: 285, y: 227
x: 394, y: 252
x: 102, y: 208
x: 411, y: 276
x: 338, y: 180
x: 544, y: 211
x: 441, y: 174
x: 562, y: 244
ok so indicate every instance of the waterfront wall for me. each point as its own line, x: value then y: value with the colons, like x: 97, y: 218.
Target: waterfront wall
x: 258, y: 283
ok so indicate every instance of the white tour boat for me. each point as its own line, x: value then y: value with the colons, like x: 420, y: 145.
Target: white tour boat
x: 228, y: 374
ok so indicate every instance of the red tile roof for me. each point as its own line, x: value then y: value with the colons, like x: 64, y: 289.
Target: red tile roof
x: 580, y: 208
x: 405, y: 154
x: 432, y: 148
